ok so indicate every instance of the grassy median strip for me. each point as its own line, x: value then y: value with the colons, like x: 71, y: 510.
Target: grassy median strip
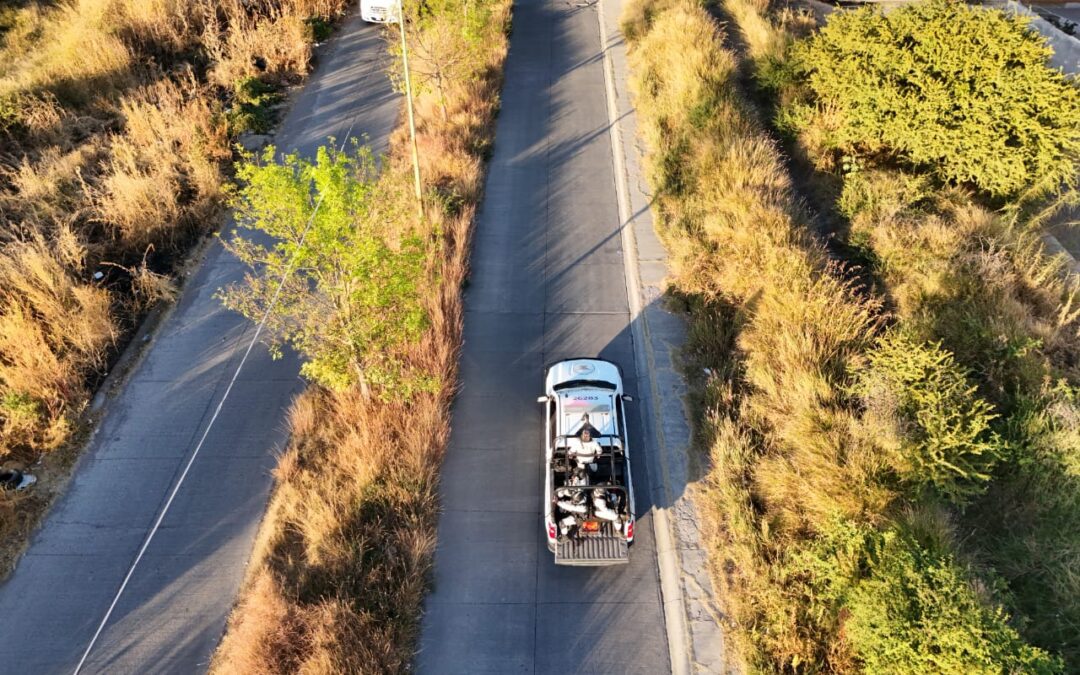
x: 858, y: 423
x: 342, y: 559
x: 116, y: 118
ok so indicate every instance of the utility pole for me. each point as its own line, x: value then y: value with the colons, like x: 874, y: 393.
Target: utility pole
x: 409, y: 96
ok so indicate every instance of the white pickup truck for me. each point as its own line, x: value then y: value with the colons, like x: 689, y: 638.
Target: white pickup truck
x: 379, y: 11
x: 588, y: 493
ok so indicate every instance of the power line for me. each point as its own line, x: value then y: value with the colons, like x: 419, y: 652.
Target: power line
x: 210, y: 425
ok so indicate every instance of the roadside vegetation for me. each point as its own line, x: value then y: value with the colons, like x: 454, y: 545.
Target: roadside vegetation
x: 116, y: 118
x: 342, y: 559
x: 891, y: 409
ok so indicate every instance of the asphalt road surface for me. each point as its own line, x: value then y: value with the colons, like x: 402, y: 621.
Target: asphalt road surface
x: 547, y: 283
x: 1067, y: 13
x: 173, y: 612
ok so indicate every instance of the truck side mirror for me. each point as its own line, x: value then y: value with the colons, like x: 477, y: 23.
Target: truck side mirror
x: 543, y: 399
x: 628, y: 398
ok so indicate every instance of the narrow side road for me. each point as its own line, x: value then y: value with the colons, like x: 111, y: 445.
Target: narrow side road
x: 173, y: 612
x: 547, y: 283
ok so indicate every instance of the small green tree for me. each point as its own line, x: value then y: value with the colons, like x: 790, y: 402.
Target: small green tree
x: 446, y: 44
x: 918, y: 394
x: 351, y: 301
x: 964, y: 90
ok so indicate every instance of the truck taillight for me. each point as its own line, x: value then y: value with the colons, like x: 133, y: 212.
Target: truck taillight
x: 551, y: 531
x: 630, y: 530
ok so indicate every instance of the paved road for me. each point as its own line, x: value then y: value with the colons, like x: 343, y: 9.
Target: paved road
x: 172, y: 615
x: 1067, y: 57
x: 547, y: 283
x: 1068, y: 12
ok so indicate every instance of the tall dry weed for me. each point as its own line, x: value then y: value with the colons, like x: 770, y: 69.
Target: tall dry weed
x: 956, y: 272
x: 165, y: 168
x: 53, y: 329
x: 276, y: 46
x: 83, y: 58
x: 49, y: 189
x: 788, y: 448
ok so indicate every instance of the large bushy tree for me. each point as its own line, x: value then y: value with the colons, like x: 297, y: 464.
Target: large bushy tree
x: 964, y: 90
x: 351, y: 302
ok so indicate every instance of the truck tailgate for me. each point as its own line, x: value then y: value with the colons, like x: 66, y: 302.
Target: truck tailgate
x: 593, y: 550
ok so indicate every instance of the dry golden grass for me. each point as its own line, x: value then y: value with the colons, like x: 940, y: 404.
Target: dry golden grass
x: 342, y: 559
x: 114, y: 160
x: 47, y: 190
x: 177, y: 119
x: 283, y: 42
x: 345, y: 549
x: 53, y: 329
x: 987, y: 289
x: 934, y: 242
x: 759, y: 36
x: 83, y: 58
x: 164, y: 172
x: 91, y: 46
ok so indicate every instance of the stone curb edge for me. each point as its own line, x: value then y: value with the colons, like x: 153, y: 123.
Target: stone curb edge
x: 691, y: 614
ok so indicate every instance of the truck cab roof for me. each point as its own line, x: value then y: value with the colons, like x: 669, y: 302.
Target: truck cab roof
x: 592, y: 373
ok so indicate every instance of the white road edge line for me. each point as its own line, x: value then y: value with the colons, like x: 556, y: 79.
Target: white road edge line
x: 206, y: 432
x: 672, y: 603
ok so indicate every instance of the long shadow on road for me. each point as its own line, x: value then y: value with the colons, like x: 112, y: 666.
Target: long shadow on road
x: 547, y: 282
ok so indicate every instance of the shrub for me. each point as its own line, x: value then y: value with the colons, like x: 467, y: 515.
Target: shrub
x: 787, y: 450
x: 903, y: 603
x: 801, y: 501
x: 321, y: 28
x: 342, y: 560
x: 965, y: 91
x: 916, y: 394
x: 960, y: 274
x: 1028, y: 524
x: 975, y: 284
x: 352, y: 295
x: 914, y: 610
x: 21, y: 416
x: 251, y: 111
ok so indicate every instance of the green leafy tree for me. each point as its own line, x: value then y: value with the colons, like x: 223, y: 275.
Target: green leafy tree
x: 964, y: 90
x: 351, y: 302
x: 917, y: 395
